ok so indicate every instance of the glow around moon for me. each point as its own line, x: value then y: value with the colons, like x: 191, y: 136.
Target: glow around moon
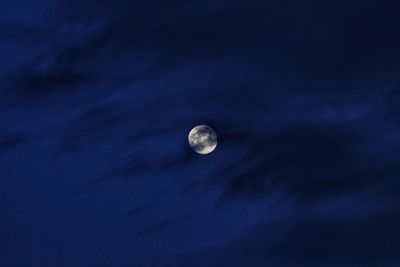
x: 202, y: 139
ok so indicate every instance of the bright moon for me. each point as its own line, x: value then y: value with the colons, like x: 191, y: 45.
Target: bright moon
x: 202, y: 139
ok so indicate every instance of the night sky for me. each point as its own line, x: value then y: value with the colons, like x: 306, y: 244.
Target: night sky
x: 97, y: 99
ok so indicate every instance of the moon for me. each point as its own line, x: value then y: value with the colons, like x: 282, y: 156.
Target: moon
x: 202, y: 139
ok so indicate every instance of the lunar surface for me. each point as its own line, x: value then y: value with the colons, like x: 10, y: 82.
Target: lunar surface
x: 202, y: 139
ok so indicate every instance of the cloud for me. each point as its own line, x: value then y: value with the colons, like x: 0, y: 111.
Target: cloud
x: 99, y: 98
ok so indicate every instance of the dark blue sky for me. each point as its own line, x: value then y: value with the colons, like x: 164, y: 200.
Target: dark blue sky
x: 97, y: 100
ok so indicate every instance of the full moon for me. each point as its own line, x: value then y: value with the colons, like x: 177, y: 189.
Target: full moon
x: 202, y: 139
